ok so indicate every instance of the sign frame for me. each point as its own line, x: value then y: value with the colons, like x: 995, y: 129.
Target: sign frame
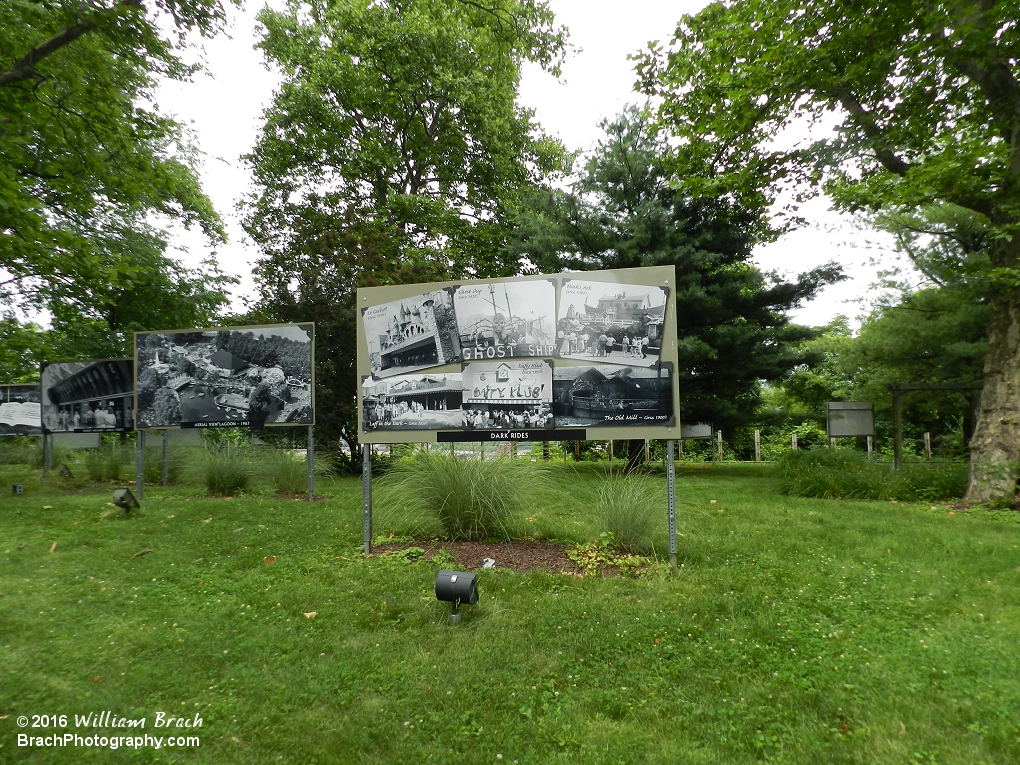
x: 642, y: 282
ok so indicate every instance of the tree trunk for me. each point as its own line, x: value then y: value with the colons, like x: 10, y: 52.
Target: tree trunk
x: 995, y: 446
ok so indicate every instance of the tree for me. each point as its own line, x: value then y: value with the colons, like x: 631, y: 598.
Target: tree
x: 396, y: 152
x: 928, y: 96
x: 89, y: 167
x: 624, y: 211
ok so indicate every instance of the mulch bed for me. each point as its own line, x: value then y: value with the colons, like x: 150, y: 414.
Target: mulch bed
x: 522, y: 555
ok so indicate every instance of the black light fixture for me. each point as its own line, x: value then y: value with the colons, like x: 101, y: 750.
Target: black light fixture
x: 458, y: 588
x: 123, y: 498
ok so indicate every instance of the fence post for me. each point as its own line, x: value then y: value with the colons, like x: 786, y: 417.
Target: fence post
x: 757, y: 445
x: 718, y: 445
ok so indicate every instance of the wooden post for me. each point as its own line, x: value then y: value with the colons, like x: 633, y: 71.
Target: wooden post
x: 718, y: 445
x: 577, y: 451
x: 832, y: 444
x: 793, y: 442
x: 927, y: 445
x: 680, y: 448
x: 757, y: 445
x: 610, y: 455
x: 871, y: 445
x: 646, y: 450
x: 166, y: 457
x: 545, y: 451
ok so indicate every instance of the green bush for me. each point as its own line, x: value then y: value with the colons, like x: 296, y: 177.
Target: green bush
x: 627, y: 508
x: 470, y: 499
x: 223, y: 471
x: 846, y: 474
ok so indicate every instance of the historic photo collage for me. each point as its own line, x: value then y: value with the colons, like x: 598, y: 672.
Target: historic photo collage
x: 508, y: 338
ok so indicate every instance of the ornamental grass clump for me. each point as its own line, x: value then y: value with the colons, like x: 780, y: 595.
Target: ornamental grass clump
x: 627, y: 508
x: 223, y: 471
x: 470, y: 499
x: 287, y: 471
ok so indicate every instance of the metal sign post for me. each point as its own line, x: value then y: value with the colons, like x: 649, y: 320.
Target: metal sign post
x: 45, y: 456
x: 310, y: 455
x: 366, y: 496
x: 166, y: 458
x: 139, y: 464
x: 671, y: 500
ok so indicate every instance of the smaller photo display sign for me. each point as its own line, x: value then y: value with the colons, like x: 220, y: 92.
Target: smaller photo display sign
x: 411, y: 334
x: 611, y: 323
x: 88, y: 396
x: 506, y: 319
x: 413, y: 402
x: 20, y: 413
x: 230, y: 377
x: 508, y: 395
x: 604, y: 395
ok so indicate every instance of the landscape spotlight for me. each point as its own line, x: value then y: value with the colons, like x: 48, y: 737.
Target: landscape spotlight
x: 18, y: 488
x: 457, y: 587
x: 125, y: 499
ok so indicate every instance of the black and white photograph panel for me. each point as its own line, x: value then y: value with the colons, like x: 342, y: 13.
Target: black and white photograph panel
x: 506, y: 319
x: 20, y: 413
x: 508, y: 395
x: 611, y: 322
x: 225, y: 378
x: 413, y: 402
x: 411, y: 334
x: 610, y: 395
x: 88, y: 396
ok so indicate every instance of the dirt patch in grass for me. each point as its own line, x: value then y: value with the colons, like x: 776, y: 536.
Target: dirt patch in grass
x: 518, y: 555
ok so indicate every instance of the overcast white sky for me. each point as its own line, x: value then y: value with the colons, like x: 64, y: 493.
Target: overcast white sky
x: 223, y: 107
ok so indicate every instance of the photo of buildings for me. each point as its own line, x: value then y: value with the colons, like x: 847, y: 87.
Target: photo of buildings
x: 411, y: 334
x: 611, y: 322
x: 413, y: 402
x: 508, y: 395
x: 604, y: 395
x: 88, y: 396
x: 506, y: 319
x: 225, y: 378
x: 19, y: 410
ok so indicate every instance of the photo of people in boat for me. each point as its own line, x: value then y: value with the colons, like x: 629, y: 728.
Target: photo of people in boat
x: 411, y: 334
x: 611, y: 322
x: 499, y: 320
x: 508, y: 395
x: 230, y: 377
x: 88, y: 396
x: 605, y: 395
x: 20, y: 413
x: 413, y: 402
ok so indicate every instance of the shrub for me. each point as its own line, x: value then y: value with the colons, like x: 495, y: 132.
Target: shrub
x: 223, y: 472
x: 470, y: 499
x: 287, y: 472
x: 846, y: 474
x: 627, y: 508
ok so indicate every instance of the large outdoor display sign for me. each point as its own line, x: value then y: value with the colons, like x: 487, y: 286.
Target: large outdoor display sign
x: 543, y: 357
x: 225, y: 377
x: 88, y: 396
x: 19, y: 410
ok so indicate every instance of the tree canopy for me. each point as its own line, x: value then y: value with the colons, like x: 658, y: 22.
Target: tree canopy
x: 623, y: 210
x: 90, y: 169
x: 395, y: 150
x: 927, y: 94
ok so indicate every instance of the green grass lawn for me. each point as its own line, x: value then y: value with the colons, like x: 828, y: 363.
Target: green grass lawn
x: 796, y: 630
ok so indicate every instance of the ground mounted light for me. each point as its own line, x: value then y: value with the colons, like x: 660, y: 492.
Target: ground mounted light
x: 18, y: 488
x: 458, y: 588
x: 123, y: 498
